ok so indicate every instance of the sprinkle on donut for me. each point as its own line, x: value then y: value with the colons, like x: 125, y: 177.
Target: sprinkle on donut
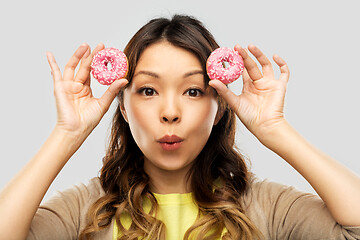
x: 101, y: 70
x: 216, y: 70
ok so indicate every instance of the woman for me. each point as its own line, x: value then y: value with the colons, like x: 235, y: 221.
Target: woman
x: 171, y: 170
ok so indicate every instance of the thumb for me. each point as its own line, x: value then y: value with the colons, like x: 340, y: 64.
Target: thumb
x: 109, y: 95
x: 230, y: 97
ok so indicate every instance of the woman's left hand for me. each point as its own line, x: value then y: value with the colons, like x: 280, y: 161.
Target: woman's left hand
x: 260, y: 105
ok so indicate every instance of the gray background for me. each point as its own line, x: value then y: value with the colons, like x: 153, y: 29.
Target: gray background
x: 319, y: 40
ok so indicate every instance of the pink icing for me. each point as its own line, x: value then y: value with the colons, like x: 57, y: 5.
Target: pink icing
x: 99, y: 65
x: 215, y: 69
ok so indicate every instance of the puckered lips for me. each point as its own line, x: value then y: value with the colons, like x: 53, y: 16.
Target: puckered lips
x: 170, y: 143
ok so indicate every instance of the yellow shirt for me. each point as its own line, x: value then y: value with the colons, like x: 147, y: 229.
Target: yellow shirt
x: 177, y: 211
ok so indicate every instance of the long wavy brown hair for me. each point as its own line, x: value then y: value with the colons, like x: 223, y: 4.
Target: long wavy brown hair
x: 125, y: 182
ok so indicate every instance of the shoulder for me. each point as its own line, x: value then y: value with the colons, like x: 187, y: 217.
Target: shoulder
x: 82, y: 193
x: 269, y: 194
x: 283, y: 212
x: 279, y: 209
x: 74, y: 202
x: 76, y: 199
x: 92, y: 189
x: 266, y: 199
x: 265, y: 188
x: 64, y: 214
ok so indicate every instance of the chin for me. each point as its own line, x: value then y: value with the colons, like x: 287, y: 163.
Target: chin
x: 173, y: 166
x: 170, y: 164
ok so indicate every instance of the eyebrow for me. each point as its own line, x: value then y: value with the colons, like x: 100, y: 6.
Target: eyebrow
x: 155, y: 75
x: 194, y: 72
x: 149, y: 73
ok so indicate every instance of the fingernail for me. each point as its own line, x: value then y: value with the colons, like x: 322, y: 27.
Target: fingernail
x: 238, y: 46
x: 211, y: 83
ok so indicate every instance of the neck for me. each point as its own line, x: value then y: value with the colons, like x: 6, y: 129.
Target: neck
x: 168, y: 181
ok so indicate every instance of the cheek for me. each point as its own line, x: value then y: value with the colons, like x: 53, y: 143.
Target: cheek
x: 202, y: 117
x: 140, y: 120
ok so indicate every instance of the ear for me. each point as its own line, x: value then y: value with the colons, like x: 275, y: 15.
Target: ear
x: 123, y: 111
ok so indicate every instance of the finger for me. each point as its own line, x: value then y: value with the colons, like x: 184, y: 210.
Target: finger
x: 74, y: 61
x: 263, y: 60
x: 55, y: 70
x: 225, y: 93
x: 249, y: 63
x: 107, y: 98
x: 246, y: 78
x: 86, y: 55
x: 284, y: 69
x: 83, y: 75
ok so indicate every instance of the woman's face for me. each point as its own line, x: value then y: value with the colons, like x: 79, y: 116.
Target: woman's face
x: 169, y: 109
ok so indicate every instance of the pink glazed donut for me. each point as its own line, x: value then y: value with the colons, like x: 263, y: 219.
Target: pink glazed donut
x: 99, y: 65
x: 216, y: 70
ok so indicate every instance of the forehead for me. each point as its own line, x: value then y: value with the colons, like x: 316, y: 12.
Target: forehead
x: 162, y: 57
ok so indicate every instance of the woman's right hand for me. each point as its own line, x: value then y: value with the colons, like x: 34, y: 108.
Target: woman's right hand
x: 78, y: 111
x: 78, y: 114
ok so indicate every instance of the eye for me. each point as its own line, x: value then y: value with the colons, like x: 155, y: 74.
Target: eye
x: 146, y: 91
x: 194, y: 92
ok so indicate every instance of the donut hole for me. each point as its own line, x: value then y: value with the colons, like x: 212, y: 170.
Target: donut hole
x: 109, y: 66
x: 226, y: 64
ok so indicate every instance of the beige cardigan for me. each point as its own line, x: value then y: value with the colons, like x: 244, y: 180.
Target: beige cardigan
x: 279, y: 212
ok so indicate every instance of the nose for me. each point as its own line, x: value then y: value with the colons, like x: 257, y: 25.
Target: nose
x: 170, y: 119
x: 170, y: 112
